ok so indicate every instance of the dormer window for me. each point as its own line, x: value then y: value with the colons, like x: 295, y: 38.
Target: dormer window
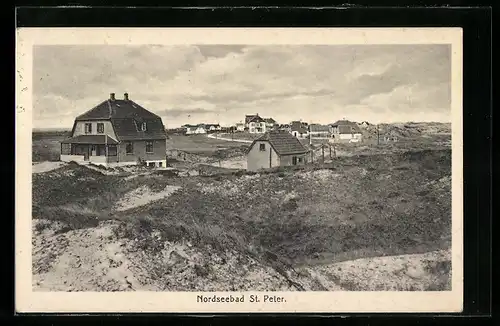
x: 143, y: 126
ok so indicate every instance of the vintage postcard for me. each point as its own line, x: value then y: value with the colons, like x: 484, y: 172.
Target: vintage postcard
x: 239, y: 170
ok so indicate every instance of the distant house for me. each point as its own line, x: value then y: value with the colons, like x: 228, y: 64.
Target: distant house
x: 255, y: 124
x: 346, y: 131
x: 116, y: 131
x: 275, y: 148
x: 209, y: 127
x: 270, y: 123
x: 195, y: 129
x: 319, y: 131
x: 299, y: 129
x: 240, y: 127
x: 284, y: 127
x: 364, y: 124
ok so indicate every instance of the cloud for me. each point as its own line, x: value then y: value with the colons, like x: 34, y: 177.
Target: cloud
x: 189, y: 84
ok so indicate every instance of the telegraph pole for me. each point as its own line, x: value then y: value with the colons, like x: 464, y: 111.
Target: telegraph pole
x: 378, y: 136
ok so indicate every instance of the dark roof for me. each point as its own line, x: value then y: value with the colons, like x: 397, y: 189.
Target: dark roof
x: 298, y: 126
x: 129, y: 129
x: 318, y: 128
x: 126, y: 117
x: 118, y: 109
x: 282, y: 142
x: 90, y: 139
x: 254, y: 118
x: 269, y: 120
x: 346, y: 127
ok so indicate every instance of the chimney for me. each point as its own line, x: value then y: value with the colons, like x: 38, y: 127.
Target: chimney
x: 112, y: 96
x: 125, y: 96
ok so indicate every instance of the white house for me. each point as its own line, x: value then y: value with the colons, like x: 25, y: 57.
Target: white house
x: 299, y: 129
x: 195, y: 129
x: 255, y: 124
x: 319, y: 131
x: 346, y: 131
x: 240, y: 127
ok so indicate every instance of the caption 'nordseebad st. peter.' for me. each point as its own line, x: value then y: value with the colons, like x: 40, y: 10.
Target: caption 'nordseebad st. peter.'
x: 240, y: 299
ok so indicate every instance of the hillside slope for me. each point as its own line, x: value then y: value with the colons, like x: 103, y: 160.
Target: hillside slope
x: 271, y: 231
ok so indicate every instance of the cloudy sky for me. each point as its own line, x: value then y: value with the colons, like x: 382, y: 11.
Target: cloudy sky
x: 222, y: 83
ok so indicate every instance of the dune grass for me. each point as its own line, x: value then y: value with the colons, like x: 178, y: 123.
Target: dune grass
x: 361, y: 206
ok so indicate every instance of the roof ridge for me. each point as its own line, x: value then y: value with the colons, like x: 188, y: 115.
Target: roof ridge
x: 110, y: 109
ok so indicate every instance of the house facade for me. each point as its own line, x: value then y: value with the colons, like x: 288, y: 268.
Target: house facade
x: 299, y: 129
x: 213, y: 127
x: 240, y: 127
x: 275, y: 148
x: 117, y: 131
x: 254, y: 124
x: 270, y: 123
x: 195, y: 129
x: 319, y: 131
x: 345, y: 131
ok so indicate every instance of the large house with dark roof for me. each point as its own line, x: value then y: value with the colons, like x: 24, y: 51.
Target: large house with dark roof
x: 346, y: 131
x: 117, y: 131
x: 275, y: 148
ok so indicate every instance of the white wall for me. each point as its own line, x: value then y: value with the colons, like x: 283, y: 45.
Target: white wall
x: 69, y: 158
x: 108, y: 128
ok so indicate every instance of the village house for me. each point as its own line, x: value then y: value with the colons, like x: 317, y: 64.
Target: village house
x: 346, y: 131
x: 270, y: 123
x: 255, y: 124
x: 240, y: 127
x: 117, y: 131
x: 299, y: 129
x: 195, y: 129
x: 212, y: 127
x: 275, y: 148
x: 319, y: 131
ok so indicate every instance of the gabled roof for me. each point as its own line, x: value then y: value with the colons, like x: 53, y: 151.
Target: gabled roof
x: 269, y: 120
x: 282, y: 142
x: 256, y: 119
x: 126, y: 116
x: 90, y: 139
x: 117, y: 109
x: 253, y: 118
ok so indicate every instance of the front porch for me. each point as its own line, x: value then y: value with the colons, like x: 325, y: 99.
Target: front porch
x: 96, y: 149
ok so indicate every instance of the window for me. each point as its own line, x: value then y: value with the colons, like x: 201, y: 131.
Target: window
x: 88, y: 128
x: 143, y: 126
x: 100, y: 128
x: 262, y: 147
x: 160, y: 164
x: 129, y: 148
x: 149, y: 147
x: 112, y: 150
x: 300, y: 159
x: 151, y: 164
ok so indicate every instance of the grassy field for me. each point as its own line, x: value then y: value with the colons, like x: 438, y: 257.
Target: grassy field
x: 389, y: 203
x: 199, y: 144
x: 46, y: 145
x: 372, y: 201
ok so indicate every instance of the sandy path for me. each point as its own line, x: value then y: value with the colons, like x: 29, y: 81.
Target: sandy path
x: 213, y: 136
x: 142, y: 196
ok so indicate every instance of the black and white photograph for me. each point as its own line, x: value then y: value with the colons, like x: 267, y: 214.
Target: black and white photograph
x: 241, y: 168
